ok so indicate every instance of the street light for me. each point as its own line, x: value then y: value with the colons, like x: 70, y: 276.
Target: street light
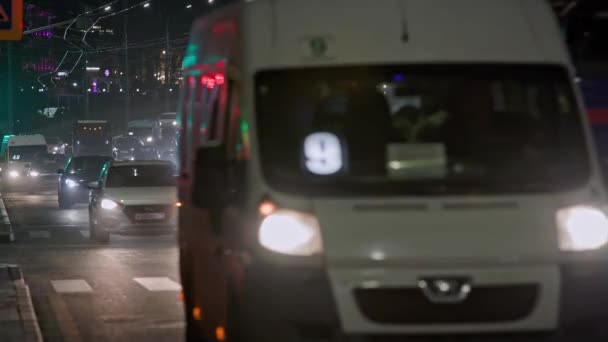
x: 189, y: 6
x: 108, y: 8
x: 146, y: 5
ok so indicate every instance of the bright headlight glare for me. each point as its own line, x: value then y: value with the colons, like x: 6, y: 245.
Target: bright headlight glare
x: 34, y: 173
x: 70, y: 183
x: 582, y: 228
x: 291, y: 232
x: 149, y: 139
x: 108, y: 204
x: 13, y: 174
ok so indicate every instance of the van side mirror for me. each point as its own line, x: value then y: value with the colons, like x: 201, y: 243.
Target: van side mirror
x: 93, y: 185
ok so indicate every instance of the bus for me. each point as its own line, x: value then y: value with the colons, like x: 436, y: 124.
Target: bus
x: 354, y: 168
x: 92, y: 137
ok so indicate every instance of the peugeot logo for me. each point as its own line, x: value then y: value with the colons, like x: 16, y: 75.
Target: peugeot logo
x: 445, y: 290
x: 318, y: 46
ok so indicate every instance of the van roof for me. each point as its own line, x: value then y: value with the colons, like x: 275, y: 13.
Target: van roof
x: 295, y: 33
x: 26, y: 140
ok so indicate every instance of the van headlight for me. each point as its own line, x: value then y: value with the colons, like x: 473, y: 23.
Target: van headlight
x: 291, y: 232
x: 34, y: 173
x: 108, y: 204
x: 582, y: 228
x: 13, y: 174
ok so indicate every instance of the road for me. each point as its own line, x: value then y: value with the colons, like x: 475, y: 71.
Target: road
x: 82, y: 291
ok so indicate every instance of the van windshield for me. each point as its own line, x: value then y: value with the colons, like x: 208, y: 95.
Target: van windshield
x: 27, y: 153
x: 430, y: 129
x: 140, y: 131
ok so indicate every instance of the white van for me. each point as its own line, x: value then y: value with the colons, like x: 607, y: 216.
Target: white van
x: 356, y: 168
x: 17, y: 154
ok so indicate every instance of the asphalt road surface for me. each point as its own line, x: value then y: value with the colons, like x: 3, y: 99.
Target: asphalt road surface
x: 82, y: 291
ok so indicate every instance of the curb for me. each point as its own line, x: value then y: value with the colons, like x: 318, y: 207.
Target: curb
x: 6, y: 229
x: 25, y: 307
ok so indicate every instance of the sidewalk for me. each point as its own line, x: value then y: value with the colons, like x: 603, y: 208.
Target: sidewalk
x: 6, y: 229
x: 17, y: 317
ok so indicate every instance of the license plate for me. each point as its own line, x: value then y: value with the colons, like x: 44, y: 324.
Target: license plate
x: 149, y: 216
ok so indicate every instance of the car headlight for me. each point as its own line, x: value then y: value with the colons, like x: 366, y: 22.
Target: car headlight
x: 291, y: 232
x: 149, y: 139
x: 13, y: 174
x: 70, y: 183
x: 108, y: 204
x: 582, y: 228
x: 34, y: 173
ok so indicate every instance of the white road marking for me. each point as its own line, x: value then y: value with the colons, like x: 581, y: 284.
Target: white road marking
x: 39, y: 234
x: 158, y: 284
x: 71, y: 286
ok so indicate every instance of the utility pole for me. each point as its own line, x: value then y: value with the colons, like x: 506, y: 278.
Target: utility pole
x: 126, y: 61
x: 85, y: 88
x: 167, y: 64
x: 10, y: 93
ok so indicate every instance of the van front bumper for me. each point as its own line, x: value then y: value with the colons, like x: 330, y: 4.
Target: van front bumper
x: 300, y: 303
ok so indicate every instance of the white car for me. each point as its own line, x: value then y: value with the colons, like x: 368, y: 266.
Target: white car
x: 133, y: 197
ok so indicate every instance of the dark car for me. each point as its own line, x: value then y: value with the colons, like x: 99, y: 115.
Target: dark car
x: 73, y: 181
x: 127, y: 148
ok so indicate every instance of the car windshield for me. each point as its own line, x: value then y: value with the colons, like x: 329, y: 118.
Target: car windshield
x: 86, y: 166
x: 27, y: 153
x: 420, y: 129
x: 141, y: 176
x: 129, y: 143
x: 140, y: 131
